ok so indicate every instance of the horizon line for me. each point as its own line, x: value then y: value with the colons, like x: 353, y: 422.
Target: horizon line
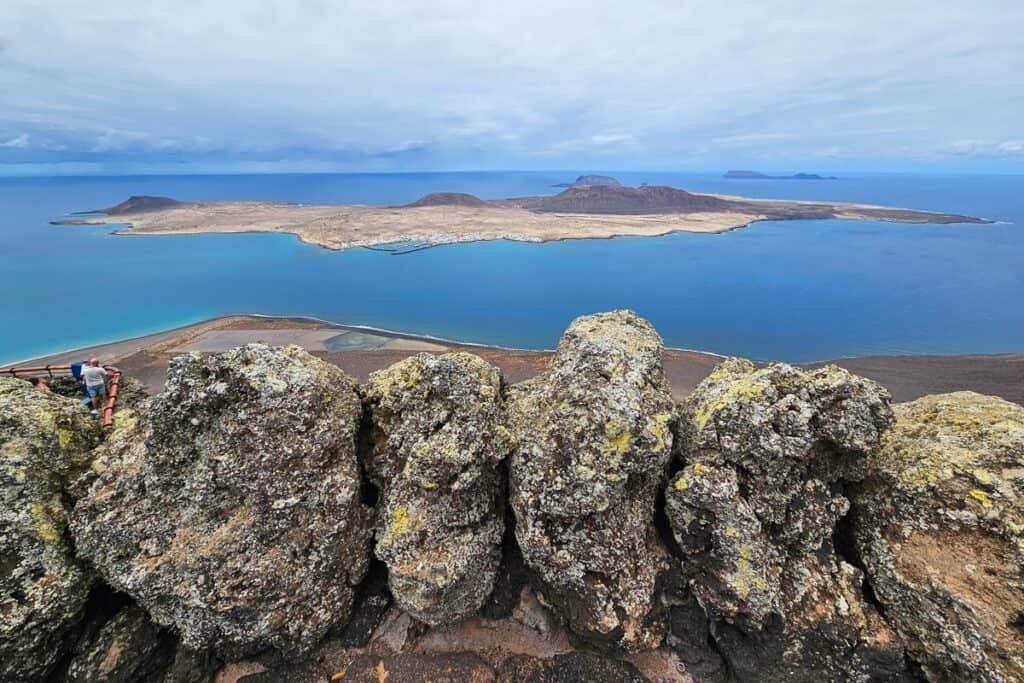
x: 498, y: 170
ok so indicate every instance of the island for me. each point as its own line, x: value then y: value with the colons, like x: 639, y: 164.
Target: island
x: 590, y: 180
x: 583, y: 212
x: 757, y: 175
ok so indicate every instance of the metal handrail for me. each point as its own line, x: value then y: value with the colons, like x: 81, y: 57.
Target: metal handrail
x: 35, y: 370
x: 115, y: 384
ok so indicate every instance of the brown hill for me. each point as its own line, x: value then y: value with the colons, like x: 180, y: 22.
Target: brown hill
x: 141, y: 204
x: 447, y: 199
x: 624, y: 200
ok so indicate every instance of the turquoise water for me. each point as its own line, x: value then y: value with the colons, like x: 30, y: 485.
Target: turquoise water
x: 782, y: 290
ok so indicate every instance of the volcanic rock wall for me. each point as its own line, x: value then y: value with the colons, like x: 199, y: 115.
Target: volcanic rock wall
x: 777, y: 525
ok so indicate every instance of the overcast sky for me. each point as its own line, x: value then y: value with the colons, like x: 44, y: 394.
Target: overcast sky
x: 247, y: 85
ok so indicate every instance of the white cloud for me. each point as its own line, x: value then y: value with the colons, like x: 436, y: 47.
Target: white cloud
x: 646, y: 83
x: 1012, y: 147
x: 610, y: 138
x: 986, y: 148
x: 18, y: 142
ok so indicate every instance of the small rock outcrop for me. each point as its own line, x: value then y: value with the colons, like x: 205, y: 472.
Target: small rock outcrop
x: 437, y: 442
x: 232, y: 511
x: 754, y: 510
x: 593, y: 436
x: 45, y: 441
x: 939, y: 525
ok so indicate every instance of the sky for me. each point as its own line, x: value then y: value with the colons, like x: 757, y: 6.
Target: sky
x: 118, y: 86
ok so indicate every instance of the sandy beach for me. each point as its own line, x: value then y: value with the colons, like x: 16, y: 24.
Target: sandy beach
x: 359, y: 352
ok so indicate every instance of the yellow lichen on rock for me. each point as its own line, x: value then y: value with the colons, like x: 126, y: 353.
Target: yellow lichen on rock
x: 617, y: 439
x: 745, y: 579
x: 399, y: 525
x: 981, y: 497
x: 49, y: 522
x: 949, y: 474
x: 947, y: 438
x: 658, y: 428
x: 734, y: 380
x: 405, y: 374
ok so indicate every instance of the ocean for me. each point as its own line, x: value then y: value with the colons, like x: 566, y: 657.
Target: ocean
x: 794, y: 291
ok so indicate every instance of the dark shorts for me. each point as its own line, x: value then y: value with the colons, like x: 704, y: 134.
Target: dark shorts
x: 96, y: 390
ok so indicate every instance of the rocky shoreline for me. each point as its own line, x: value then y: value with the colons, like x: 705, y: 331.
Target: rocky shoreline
x: 267, y: 517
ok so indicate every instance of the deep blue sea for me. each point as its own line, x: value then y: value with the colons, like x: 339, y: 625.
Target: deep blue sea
x: 794, y: 291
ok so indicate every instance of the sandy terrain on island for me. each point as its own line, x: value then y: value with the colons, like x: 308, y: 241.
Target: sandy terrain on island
x: 345, y: 227
x: 359, y: 352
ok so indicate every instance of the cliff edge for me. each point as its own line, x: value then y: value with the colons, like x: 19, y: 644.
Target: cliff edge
x: 267, y: 518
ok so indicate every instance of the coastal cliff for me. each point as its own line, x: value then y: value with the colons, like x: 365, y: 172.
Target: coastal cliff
x: 268, y: 518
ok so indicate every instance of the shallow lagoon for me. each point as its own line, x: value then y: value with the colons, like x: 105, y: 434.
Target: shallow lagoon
x: 794, y: 291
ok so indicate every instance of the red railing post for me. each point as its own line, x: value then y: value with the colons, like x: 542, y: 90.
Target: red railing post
x: 108, y: 411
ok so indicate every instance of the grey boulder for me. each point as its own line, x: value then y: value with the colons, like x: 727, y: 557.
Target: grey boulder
x: 593, y: 436
x: 437, y: 443
x: 45, y: 441
x: 232, y: 511
x: 754, y: 511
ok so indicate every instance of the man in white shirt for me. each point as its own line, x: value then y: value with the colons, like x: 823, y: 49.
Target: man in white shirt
x: 95, y: 379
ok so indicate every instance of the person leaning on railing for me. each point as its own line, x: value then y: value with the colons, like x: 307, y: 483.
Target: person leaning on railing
x: 94, y: 376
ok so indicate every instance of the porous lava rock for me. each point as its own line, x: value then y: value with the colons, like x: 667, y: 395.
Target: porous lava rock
x: 754, y: 511
x: 232, y: 512
x: 45, y: 441
x: 438, y: 440
x: 939, y: 526
x: 126, y: 648
x: 593, y: 436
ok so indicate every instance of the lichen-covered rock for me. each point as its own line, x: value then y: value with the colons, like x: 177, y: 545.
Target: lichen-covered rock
x: 438, y: 439
x: 45, y: 440
x: 125, y: 443
x: 239, y: 522
x: 127, y: 648
x: 593, y: 436
x: 939, y: 526
x: 754, y: 512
